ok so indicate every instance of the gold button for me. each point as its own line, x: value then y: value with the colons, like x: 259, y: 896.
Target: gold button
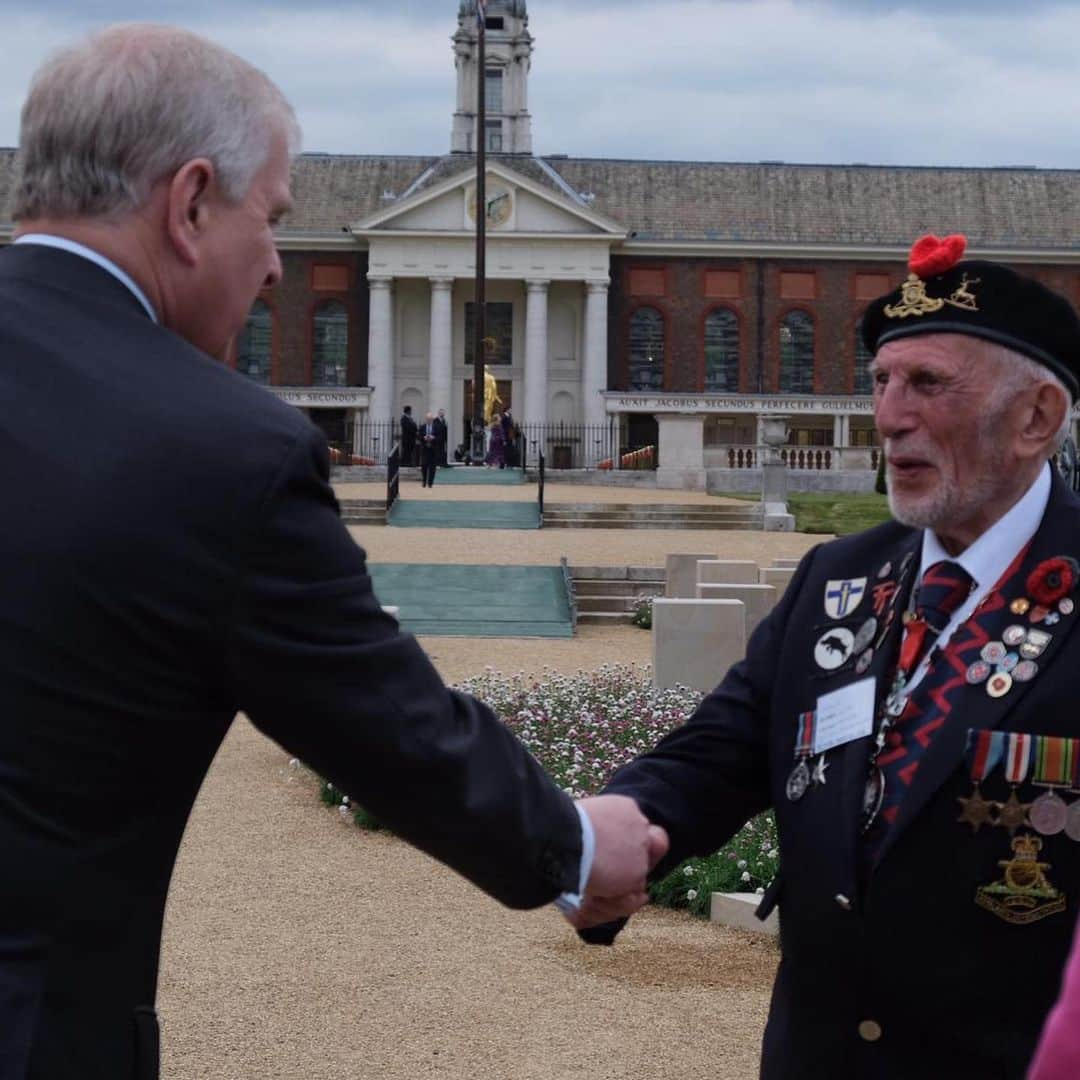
x: 869, y: 1030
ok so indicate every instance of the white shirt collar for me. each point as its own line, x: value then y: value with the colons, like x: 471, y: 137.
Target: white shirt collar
x: 989, y: 557
x: 64, y: 244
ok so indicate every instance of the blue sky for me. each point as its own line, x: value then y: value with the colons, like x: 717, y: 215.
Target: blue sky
x: 920, y: 83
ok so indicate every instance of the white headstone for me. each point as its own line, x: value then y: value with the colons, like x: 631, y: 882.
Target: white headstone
x: 779, y: 576
x: 696, y: 641
x: 727, y: 572
x: 758, y: 599
x: 786, y: 561
x: 680, y: 575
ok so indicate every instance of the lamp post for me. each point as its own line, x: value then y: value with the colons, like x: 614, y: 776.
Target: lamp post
x: 480, y: 327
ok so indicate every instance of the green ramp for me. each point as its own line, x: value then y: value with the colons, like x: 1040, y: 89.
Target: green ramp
x: 472, y: 474
x: 476, y: 601
x: 431, y: 514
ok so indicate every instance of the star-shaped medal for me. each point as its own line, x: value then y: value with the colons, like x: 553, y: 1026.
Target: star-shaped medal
x: 975, y: 810
x: 1012, y: 813
x: 819, y: 770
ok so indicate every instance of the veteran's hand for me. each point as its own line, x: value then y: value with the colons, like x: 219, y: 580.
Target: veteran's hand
x: 627, y: 848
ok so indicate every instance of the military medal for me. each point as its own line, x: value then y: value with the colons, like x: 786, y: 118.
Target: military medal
x: 818, y: 775
x: 1072, y: 821
x: 798, y: 782
x: 983, y: 753
x: 1053, y: 769
x: 1012, y: 813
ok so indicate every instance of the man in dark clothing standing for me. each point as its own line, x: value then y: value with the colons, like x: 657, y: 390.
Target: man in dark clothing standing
x: 429, y: 451
x: 443, y: 431
x: 408, y: 436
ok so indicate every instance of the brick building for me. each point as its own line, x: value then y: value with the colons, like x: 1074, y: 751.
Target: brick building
x: 673, y: 303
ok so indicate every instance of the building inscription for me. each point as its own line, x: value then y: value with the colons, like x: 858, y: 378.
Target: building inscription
x: 734, y: 403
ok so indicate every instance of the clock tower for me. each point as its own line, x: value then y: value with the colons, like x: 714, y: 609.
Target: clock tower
x: 509, y: 45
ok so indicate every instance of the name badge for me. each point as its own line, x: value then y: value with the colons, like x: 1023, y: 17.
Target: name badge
x: 845, y: 715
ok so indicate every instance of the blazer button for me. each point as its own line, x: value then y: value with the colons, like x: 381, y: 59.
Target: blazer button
x: 869, y: 1030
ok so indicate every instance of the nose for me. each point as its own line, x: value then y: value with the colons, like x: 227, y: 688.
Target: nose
x: 273, y: 275
x: 891, y: 413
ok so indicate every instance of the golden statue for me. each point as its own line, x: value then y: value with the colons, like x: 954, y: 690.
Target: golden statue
x: 492, y: 401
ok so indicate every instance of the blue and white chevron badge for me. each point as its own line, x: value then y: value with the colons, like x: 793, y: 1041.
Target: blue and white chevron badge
x: 843, y: 597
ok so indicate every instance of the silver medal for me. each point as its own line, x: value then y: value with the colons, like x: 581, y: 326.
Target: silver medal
x: 798, y: 782
x: 1048, y: 814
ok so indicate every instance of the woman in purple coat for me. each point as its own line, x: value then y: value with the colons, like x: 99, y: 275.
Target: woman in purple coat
x: 496, y: 454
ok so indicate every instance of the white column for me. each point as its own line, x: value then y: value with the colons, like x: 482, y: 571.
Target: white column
x: 838, y: 430
x: 440, y: 368
x: 381, y: 348
x: 536, y: 350
x: 595, y: 360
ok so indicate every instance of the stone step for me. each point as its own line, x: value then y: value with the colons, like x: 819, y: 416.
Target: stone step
x: 618, y: 573
x: 605, y: 618
x: 600, y: 515
x: 659, y: 508
x: 605, y: 587
x: 609, y: 604
x: 586, y: 523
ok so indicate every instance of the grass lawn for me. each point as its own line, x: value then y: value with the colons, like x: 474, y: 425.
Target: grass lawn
x: 836, y: 512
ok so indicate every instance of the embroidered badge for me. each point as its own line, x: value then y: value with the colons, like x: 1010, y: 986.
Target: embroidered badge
x: 1023, y: 894
x: 843, y: 597
x: 834, y: 648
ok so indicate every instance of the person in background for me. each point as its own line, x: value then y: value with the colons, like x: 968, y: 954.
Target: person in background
x: 408, y: 437
x: 496, y: 453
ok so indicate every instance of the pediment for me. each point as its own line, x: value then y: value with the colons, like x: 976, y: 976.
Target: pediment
x: 516, y: 205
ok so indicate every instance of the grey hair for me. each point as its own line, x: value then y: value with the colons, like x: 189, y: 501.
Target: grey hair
x: 110, y: 116
x: 1017, y: 372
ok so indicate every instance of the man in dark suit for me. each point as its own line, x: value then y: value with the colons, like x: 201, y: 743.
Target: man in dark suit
x: 408, y: 437
x: 443, y: 434
x: 429, y: 450
x: 179, y: 557
x: 909, y: 710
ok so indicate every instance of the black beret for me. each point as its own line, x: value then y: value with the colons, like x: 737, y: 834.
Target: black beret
x: 982, y: 299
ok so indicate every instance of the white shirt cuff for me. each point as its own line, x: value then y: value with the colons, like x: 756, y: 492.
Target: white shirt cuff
x: 570, y: 902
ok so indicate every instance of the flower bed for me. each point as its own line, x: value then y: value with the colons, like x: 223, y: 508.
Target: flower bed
x: 582, y: 728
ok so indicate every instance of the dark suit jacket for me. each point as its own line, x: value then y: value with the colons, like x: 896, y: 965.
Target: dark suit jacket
x: 408, y: 439
x: 172, y: 553
x: 958, y: 992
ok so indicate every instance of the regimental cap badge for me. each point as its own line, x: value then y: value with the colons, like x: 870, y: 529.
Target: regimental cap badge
x: 931, y: 257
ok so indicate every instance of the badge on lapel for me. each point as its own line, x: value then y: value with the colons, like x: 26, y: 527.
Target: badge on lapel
x: 844, y: 596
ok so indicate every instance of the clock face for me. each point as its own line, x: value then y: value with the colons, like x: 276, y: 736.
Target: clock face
x: 500, y: 204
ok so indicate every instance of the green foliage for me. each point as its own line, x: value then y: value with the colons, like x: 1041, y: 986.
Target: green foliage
x: 643, y: 612
x: 748, y: 862
x: 836, y: 512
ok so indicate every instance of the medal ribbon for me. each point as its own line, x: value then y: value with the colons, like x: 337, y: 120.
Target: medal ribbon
x: 804, y: 743
x: 1018, y: 757
x: 984, y: 751
x: 1054, y: 760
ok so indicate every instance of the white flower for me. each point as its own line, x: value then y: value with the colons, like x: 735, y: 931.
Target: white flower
x: 343, y: 810
x: 746, y: 875
x: 773, y: 853
x: 688, y: 871
x: 691, y: 894
x: 759, y: 891
x: 294, y: 763
x: 741, y: 864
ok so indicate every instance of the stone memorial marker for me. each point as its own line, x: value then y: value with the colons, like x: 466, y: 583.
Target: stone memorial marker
x: 680, y: 575
x: 759, y: 600
x: 727, y: 572
x: 696, y: 641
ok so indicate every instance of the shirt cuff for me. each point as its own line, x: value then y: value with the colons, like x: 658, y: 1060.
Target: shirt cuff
x: 569, y: 902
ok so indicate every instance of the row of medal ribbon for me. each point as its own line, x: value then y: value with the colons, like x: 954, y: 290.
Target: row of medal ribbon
x: 1052, y: 760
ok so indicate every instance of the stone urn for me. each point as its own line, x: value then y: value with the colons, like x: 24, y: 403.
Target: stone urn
x: 774, y: 434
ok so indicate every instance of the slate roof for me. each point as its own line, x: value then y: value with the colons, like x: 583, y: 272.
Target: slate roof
x: 683, y: 201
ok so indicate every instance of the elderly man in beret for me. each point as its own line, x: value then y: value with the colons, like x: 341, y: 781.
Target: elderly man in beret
x: 909, y: 710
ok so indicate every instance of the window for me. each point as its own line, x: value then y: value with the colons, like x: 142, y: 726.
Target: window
x: 493, y: 90
x: 721, y: 352
x: 255, y: 346
x: 863, y: 383
x: 494, y: 136
x: 796, y: 354
x: 330, y: 354
x: 499, y: 328
x: 494, y: 22
x: 646, y: 349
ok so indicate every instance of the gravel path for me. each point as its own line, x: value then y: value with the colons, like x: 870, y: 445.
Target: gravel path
x: 297, y: 946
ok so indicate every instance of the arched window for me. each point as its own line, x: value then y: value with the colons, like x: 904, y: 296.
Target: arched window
x: 255, y: 346
x: 797, y: 354
x: 646, y: 349
x: 721, y: 352
x: 863, y: 356
x: 330, y: 357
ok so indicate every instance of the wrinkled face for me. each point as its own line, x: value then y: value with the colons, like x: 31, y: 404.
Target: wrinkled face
x: 949, y: 448
x: 239, y: 257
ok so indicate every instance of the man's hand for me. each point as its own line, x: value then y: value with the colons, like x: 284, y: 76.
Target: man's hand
x: 627, y: 848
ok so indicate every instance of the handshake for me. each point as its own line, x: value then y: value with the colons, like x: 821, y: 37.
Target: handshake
x: 627, y: 848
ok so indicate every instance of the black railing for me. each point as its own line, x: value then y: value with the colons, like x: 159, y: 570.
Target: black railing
x: 540, y: 488
x: 568, y: 582
x: 393, y: 477
x: 573, y: 446
x: 372, y: 440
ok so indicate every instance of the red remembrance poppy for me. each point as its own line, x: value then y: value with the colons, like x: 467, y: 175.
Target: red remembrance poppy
x: 931, y: 255
x: 1052, y: 580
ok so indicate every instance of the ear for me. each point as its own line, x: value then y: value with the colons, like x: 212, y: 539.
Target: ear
x: 1044, y: 414
x: 188, y: 207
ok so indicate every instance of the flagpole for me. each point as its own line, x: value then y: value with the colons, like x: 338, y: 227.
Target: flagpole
x: 480, y: 326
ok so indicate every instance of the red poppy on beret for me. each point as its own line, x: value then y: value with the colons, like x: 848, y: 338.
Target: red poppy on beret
x: 1052, y: 580
x: 930, y: 256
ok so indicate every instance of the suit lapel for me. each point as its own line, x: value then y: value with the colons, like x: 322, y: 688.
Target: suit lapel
x: 972, y: 707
